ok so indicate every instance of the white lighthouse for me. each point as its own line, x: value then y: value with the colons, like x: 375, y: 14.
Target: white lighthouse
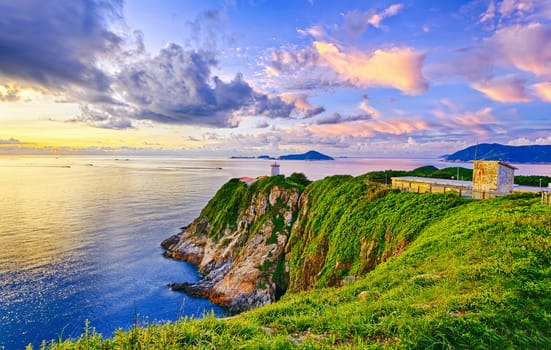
x: 275, y: 169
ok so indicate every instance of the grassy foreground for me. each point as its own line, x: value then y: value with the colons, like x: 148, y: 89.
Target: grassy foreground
x: 478, y: 276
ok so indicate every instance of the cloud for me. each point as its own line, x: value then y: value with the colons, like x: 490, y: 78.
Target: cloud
x: 523, y: 141
x: 356, y: 22
x: 286, y: 61
x: 543, y: 90
x: 10, y: 141
x: 364, y: 106
x: 56, y: 43
x: 489, y: 14
x: 399, y: 68
x: 104, y: 117
x: 176, y: 87
x: 9, y: 93
x: 507, y: 8
x: 68, y: 47
x: 502, y: 13
x: 526, y: 47
x: 370, y: 127
x: 337, y: 118
x: 481, y: 123
x: 325, y: 65
x: 317, y: 32
x: 208, y: 30
x: 504, y: 89
x: 301, y: 103
x: 510, y: 51
x: 375, y: 19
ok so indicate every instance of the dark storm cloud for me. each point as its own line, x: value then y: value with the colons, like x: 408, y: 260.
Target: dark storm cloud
x: 63, y: 46
x: 176, y: 87
x: 54, y: 43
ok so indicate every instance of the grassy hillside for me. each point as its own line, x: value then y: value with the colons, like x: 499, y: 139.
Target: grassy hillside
x: 347, y: 227
x: 473, y: 275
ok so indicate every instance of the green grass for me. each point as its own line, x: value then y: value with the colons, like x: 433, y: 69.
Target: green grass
x: 349, y: 227
x: 473, y: 275
x: 223, y: 210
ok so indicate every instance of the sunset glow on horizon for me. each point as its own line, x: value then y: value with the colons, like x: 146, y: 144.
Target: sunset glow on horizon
x: 355, y: 78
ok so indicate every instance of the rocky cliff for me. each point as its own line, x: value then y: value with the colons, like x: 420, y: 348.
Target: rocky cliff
x: 252, y: 244
x: 238, y: 243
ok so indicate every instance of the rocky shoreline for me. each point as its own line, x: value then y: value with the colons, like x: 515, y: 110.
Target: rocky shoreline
x: 242, y: 264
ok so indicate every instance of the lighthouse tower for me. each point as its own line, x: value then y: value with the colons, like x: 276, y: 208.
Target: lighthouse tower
x: 275, y: 169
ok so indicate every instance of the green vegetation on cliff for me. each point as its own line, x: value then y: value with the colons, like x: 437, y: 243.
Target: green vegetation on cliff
x: 348, y: 227
x: 234, y: 196
x: 432, y: 271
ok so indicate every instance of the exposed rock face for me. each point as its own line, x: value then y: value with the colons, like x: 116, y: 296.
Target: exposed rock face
x: 242, y: 263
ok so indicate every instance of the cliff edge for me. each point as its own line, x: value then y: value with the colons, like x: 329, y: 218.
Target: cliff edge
x: 253, y: 243
x: 238, y: 243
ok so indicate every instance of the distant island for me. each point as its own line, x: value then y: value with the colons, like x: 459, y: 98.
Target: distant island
x: 495, y: 151
x: 310, y: 155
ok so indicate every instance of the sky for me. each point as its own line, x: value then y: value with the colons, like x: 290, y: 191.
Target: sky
x: 370, y: 78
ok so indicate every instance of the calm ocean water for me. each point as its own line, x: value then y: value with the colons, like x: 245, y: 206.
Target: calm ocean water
x: 79, y: 237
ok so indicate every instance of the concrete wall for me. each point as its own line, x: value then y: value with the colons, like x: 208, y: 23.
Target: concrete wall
x: 505, y: 179
x: 428, y: 185
x: 492, y: 178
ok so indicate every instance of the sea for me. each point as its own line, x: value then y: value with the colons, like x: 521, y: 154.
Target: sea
x: 80, y: 235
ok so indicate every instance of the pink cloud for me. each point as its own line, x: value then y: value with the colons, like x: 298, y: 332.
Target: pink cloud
x: 543, y: 90
x: 482, y: 116
x: 370, y: 128
x: 498, y: 12
x: 482, y: 123
x: 299, y: 100
x: 399, y: 68
x: 527, y: 47
x: 373, y: 112
x: 509, y: 7
x: 317, y: 32
x: 489, y: 14
x: 375, y: 19
x: 301, y: 103
x: 503, y: 89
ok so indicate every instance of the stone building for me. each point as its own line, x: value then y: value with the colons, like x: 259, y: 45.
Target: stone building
x: 492, y: 178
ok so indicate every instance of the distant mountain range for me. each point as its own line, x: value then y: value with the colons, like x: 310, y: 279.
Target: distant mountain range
x: 310, y: 155
x: 511, y: 154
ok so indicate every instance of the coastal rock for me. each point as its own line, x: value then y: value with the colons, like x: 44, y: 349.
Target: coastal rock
x: 242, y: 260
